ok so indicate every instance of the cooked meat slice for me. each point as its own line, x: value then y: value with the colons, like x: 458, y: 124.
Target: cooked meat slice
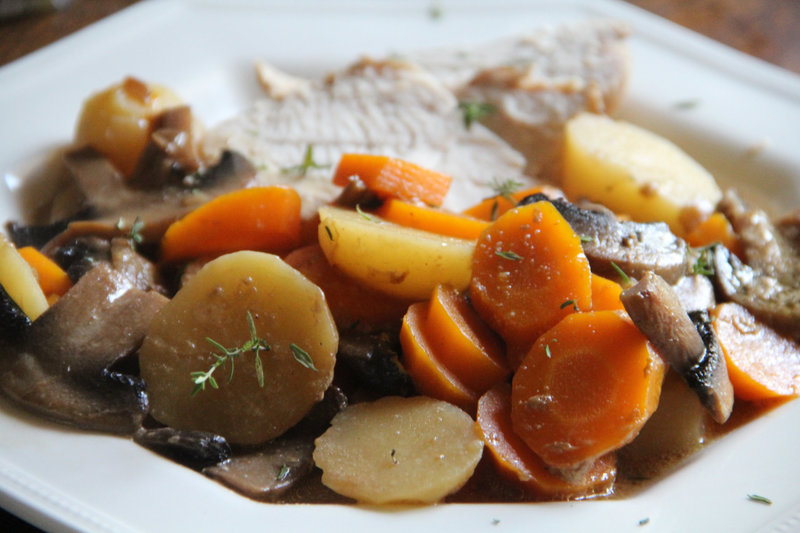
x: 776, y: 303
x: 61, y: 367
x: 635, y: 247
x: 389, y: 108
x: 537, y: 81
x: 696, y: 292
x: 655, y: 309
x: 765, y: 247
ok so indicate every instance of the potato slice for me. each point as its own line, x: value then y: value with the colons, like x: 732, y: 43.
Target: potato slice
x: 19, y: 280
x: 635, y: 172
x: 286, y: 308
x: 404, y: 262
x: 399, y: 450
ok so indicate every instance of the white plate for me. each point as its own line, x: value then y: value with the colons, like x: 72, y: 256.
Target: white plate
x: 744, y: 128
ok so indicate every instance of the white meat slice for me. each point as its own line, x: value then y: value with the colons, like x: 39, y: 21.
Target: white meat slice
x: 538, y: 81
x: 382, y: 107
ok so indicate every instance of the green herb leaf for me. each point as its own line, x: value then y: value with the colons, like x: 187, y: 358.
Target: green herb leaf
x: 759, y: 499
x: 283, y: 473
x: 702, y: 266
x: 568, y: 303
x: 365, y: 215
x: 475, y: 111
x: 308, y: 163
x: 625, y: 279
x: 547, y: 351
x: 507, y: 254
x: 586, y: 238
x: 302, y: 357
x: 329, y: 232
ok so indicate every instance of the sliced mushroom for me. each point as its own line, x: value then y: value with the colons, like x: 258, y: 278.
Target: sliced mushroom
x: 696, y: 292
x: 374, y: 360
x: 13, y: 320
x: 115, y: 204
x: 61, y: 367
x: 268, y: 472
x: 635, y: 247
x: 769, y: 299
x: 657, y: 312
x: 195, y: 449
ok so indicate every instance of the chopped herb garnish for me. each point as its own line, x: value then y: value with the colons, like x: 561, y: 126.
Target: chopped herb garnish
x: 435, y: 11
x: 568, y: 303
x: 586, y: 238
x: 475, y: 111
x: 759, y: 499
x: 302, y: 357
x: 687, y: 104
x: 227, y: 357
x: 644, y: 521
x: 495, y: 521
x: 505, y: 254
x: 702, y: 266
x: 506, y: 189
x: 366, y: 215
x: 547, y: 351
x: 493, y: 213
x: 308, y: 162
x: 394, y: 456
x: 329, y: 232
x: 134, y: 234
x: 625, y: 279
x: 283, y: 473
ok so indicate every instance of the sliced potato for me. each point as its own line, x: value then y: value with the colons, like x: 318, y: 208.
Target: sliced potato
x: 19, y: 280
x: 635, y: 172
x: 404, y: 262
x: 117, y: 121
x: 286, y: 309
x: 399, y: 450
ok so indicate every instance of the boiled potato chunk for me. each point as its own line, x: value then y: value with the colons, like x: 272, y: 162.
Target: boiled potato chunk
x: 404, y: 262
x: 399, y: 450
x: 286, y: 309
x: 117, y: 121
x: 19, y: 280
x: 635, y: 172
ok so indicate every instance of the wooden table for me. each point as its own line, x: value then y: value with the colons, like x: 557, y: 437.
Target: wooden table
x: 769, y: 30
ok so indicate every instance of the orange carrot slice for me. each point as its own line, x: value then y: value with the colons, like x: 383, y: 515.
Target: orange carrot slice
x: 389, y: 177
x: 429, y: 375
x: 586, y: 388
x: 716, y: 228
x: 352, y: 304
x: 605, y: 294
x: 515, y: 461
x: 431, y: 219
x: 462, y: 342
x: 762, y: 363
x: 52, y: 279
x: 528, y: 270
x: 260, y: 218
x: 490, y: 208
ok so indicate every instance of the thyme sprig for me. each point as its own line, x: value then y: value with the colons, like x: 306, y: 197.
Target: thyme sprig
x: 702, y: 266
x: 475, y: 111
x: 307, y: 163
x: 228, y: 356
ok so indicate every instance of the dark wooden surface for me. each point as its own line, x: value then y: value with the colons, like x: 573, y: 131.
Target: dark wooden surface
x: 768, y: 29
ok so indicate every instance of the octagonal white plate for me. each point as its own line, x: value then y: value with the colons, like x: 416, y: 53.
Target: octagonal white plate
x: 744, y: 126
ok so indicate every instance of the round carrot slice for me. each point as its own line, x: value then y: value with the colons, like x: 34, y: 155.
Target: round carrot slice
x: 762, y: 363
x: 585, y: 388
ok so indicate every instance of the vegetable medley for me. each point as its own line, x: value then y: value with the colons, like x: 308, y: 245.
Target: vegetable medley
x: 550, y: 340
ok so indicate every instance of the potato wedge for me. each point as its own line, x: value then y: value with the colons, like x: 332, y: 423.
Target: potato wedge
x: 399, y: 450
x: 404, y: 262
x: 635, y: 172
x: 286, y: 309
x: 19, y: 280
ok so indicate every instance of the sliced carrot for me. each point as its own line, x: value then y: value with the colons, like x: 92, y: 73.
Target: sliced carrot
x: 389, y: 177
x: 490, y: 208
x: 586, y: 388
x: 762, y: 363
x: 515, y: 461
x: 429, y: 375
x: 260, y: 218
x: 431, y: 219
x: 463, y: 342
x: 605, y: 294
x: 528, y: 271
x: 52, y: 279
x: 716, y: 228
x: 352, y: 304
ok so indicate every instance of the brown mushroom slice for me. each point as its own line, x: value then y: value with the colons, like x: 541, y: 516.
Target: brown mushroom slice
x: 267, y: 473
x: 117, y: 205
x: 775, y: 303
x: 635, y: 247
x: 195, y: 449
x: 655, y: 309
x: 61, y: 366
